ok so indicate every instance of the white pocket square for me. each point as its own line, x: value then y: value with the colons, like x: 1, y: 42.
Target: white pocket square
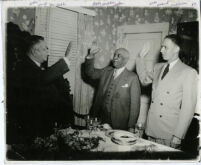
x: 125, y: 86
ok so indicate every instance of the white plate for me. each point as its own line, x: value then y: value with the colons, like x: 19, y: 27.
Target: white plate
x: 110, y: 132
x: 121, y: 142
x: 124, y: 137
x: 123, y: 134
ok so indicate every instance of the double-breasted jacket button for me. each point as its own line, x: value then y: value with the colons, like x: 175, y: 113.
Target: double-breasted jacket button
x: 168, y: 92
x: 161, y: 104
x: 152, y: 101
x: 161, y: 116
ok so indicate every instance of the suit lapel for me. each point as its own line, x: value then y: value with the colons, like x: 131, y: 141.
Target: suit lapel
x: 121, y: 79
x: 31, y: 63
x: 170, y: 77
x: 158, y: 75
x: 108, y: 79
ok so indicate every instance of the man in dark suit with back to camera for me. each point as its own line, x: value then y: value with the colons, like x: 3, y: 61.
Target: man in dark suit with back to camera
x: 118, y: 97
x: 43, y: 95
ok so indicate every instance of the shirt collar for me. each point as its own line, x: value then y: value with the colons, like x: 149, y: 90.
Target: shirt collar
x: 172, y: 64
x: 36, y: 62
x: 118, y: 71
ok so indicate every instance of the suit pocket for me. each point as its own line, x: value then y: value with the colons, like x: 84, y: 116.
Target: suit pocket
x: 169, y: 121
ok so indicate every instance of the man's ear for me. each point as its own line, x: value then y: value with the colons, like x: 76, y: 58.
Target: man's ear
x: 34, y: 51
x: 177, y: 49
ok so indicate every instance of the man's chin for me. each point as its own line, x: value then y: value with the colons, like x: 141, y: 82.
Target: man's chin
x: 116, y: 66
x: 164, y: 58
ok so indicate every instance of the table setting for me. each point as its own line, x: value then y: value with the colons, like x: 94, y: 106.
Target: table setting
x: 109, y: 140
x: 96, y: 141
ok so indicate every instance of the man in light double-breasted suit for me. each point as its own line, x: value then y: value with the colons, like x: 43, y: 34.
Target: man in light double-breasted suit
x: 174, y: 95
x: 118, y: 97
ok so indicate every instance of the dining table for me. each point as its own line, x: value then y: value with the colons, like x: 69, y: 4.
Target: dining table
x: 99, y: 144
x: 107, y: 145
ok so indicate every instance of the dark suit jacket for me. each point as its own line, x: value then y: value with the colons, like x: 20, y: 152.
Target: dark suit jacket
x: 125, y: 104
x: 40, y: 97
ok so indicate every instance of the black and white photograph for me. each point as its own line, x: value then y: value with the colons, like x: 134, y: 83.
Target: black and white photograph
x: 106, y: 81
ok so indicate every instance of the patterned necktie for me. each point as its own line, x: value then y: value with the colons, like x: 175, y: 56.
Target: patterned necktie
x: 165, y: 71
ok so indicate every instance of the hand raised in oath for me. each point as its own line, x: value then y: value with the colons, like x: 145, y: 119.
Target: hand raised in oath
x: 94, y: 50
x: 145, y: 50
x: 68, y: 49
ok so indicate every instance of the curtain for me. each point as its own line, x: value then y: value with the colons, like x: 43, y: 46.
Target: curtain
x: 83, y: 94
x: 83, y: 32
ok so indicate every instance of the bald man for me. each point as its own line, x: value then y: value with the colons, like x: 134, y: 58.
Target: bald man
x: 118, y: 97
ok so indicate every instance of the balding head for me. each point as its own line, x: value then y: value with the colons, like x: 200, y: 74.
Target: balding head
x: 121, y: 57
x: 37, y: 49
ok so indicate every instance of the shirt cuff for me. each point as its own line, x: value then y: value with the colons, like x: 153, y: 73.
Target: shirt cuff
x: 67, y: 61
x: 89, y: 57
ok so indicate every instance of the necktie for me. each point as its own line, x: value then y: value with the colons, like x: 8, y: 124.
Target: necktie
x: 115, y: 74
x: 165, y: 71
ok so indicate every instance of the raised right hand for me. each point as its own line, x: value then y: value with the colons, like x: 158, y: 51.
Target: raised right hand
x: 68, y: 49
x: 145, y: 50
x: 93, y: 51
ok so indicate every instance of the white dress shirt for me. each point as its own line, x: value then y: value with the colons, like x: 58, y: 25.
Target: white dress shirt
x: 36, y: 62
x: 171, y: 65
x: 117, y: 72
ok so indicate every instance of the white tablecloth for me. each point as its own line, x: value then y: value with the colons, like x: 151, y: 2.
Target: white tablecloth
x: 106, y: 145
x: 141, y: 144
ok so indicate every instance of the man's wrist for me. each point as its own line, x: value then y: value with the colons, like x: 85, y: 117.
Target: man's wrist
x: 90, y: 56
x: 66, y: 61
x: 140, y: 126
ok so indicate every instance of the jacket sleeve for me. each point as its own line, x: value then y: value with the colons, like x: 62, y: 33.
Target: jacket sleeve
x: 37, y: 77
x: 189, y: 100
x: 144, y: 100
x: 135, y: 93
x: 92, y: 72
x: 54, y: 72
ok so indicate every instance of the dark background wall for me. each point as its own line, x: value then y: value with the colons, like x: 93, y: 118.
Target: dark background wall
x: 23, y: 17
